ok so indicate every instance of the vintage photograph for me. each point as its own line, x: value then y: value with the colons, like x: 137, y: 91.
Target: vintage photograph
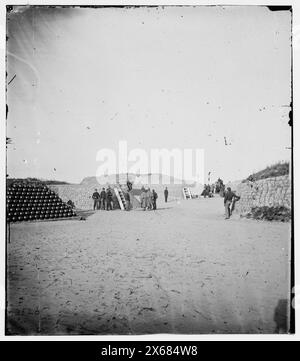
x: 149, y: 185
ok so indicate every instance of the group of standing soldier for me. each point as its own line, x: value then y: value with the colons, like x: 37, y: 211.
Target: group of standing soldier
x: 103, y: 200
x: 148, y: 199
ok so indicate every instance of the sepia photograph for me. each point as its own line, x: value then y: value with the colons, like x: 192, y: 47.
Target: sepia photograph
x: 149, y: 170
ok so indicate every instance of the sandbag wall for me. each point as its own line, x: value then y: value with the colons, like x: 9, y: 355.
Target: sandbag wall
x: 269, y: 192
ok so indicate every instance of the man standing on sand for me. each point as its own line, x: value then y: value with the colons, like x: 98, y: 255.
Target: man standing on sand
x: 127, y: 200
x: 148, y: 199
x: 102, y: 199
x: 228, y: 199
x: 143, y: 198
x: 109, y: 199
x: 96, y: 198
x: 154, y: 198
x: 166, y: 193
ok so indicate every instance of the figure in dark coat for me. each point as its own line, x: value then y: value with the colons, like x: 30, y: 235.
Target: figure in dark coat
x: 166, y: 193
x: 109, y: 197
x: 154, y: 198
x: 229, y: 198
x: 127, y: 200
x: 96, y: 198
x: 102, y: 199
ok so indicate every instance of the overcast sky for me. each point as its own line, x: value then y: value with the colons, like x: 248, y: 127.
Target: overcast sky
x: 173, y: 77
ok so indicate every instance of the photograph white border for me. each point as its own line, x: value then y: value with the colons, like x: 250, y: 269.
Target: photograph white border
x: 296, y: 130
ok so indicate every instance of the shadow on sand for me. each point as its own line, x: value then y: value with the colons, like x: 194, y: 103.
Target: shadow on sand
x: 83, y: 213
x: 281, y: 316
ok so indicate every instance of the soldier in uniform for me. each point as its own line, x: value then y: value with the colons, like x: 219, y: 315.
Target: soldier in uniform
x: 229, y: 198
x: 166, y: 193
x: 102, y: 199
x: 96, y: 198
x: 154, y: 198
x: 127, y: 200
x: 143, y: 198
x: 109, y: 197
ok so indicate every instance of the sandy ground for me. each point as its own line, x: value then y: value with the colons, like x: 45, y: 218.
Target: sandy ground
x: 180, y: 269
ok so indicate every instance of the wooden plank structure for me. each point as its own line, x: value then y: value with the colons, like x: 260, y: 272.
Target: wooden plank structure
x: 186, y: 193
x: 121, y: 198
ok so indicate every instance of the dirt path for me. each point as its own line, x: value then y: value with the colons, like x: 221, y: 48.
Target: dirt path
x: 181, y: 269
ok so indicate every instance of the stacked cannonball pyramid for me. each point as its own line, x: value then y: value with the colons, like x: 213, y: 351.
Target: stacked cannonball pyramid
x: 29, y: 202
